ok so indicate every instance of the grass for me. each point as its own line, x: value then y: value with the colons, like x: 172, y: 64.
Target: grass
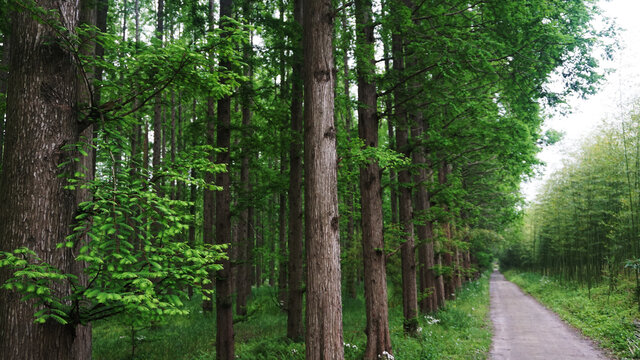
x: 606, y: 318
x: 460, y: 331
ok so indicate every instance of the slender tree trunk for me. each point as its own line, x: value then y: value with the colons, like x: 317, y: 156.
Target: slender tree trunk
x: 157, y: 107
x: 424, y: 230
x: 294, y: 303
x: 208, y: 203
x: 173, y: 139
x: 351, y: 270
x: 243, y: 226
x: 37, y: 211
x: 224, y: 301
x: 409, y: 290
x: 4, y: 76
x: 324, y: 301
x: 449, y: 252
x: 375, y: 279
x: 257, y: 256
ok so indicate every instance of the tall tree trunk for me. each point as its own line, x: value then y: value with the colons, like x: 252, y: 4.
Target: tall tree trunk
x: 375, y: 278
x: 257, y: 256
x: 4, y: 77
x: 224, y: 301
x: 351, y: 271
x: 294, y: 302
x: 409, y: 290
x: 324, y: 301
x: 243, y: 254
x: 37, y: 211
x: 173, y: 139
x: 208, y: 203
x: 157, y: 106
x: 424, y: 230
x: 448, y: 258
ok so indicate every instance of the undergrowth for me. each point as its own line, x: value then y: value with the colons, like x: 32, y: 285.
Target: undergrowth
x: 608, y: 318
x: 460, y: 331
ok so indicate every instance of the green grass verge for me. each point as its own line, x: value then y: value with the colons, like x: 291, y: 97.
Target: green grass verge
x: 460, y: 331
x: 607, y: 318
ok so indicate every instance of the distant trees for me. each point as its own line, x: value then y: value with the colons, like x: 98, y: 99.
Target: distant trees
x: 583, y: 226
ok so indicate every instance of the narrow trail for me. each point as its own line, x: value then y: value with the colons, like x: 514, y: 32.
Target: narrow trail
x: 524, y: 329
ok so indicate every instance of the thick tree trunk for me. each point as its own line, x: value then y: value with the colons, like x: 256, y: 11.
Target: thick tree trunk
x: 224, y: 301
x: 37, y: 211
x: 375, y: 278
x: 324, y: 301
x: 295, y: 263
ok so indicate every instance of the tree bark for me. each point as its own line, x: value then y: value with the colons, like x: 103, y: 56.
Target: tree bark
x: 37, y: 211
x: 295, y: 263
x: 244, y: 267
x: 375, y: 278
x: 324, y: 301
x: 409, y: 290
x: 224, y: 303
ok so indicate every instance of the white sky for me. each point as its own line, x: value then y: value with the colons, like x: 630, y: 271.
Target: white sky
x: 620, y: 86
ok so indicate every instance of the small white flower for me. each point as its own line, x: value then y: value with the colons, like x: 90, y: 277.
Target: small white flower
x: 419, y: 329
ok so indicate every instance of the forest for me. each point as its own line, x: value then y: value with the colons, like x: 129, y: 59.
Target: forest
x: 288, y: 164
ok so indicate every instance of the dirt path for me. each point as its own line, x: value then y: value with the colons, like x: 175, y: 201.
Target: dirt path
x: 524, y: 329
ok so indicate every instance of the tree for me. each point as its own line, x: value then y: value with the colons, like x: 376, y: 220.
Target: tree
x: 38, y: 210
x: 224, y: 300
x: 324, y: 302
x: 295, y: 263
x: 374, y: 257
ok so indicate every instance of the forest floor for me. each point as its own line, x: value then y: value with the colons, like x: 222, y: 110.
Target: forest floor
x: 525, y: 329
x: 461, y: 331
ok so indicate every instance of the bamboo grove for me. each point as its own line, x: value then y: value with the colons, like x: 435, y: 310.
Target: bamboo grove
x: 584, y: 225
x: 206, y: 149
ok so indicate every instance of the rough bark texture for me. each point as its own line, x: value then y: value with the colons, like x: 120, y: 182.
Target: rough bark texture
x: 375, y: 278
x: 295, y: 291
x: 36, y: 210
x: 224, y: 301
x: 409, y: 290
x: 324, y: 301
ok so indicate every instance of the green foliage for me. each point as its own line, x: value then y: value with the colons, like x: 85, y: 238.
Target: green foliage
x: 129, y: 239
x: 460, y: 331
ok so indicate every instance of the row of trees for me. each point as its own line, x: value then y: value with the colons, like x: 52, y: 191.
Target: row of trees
x: 584, y: 224
x: 141, y: 167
